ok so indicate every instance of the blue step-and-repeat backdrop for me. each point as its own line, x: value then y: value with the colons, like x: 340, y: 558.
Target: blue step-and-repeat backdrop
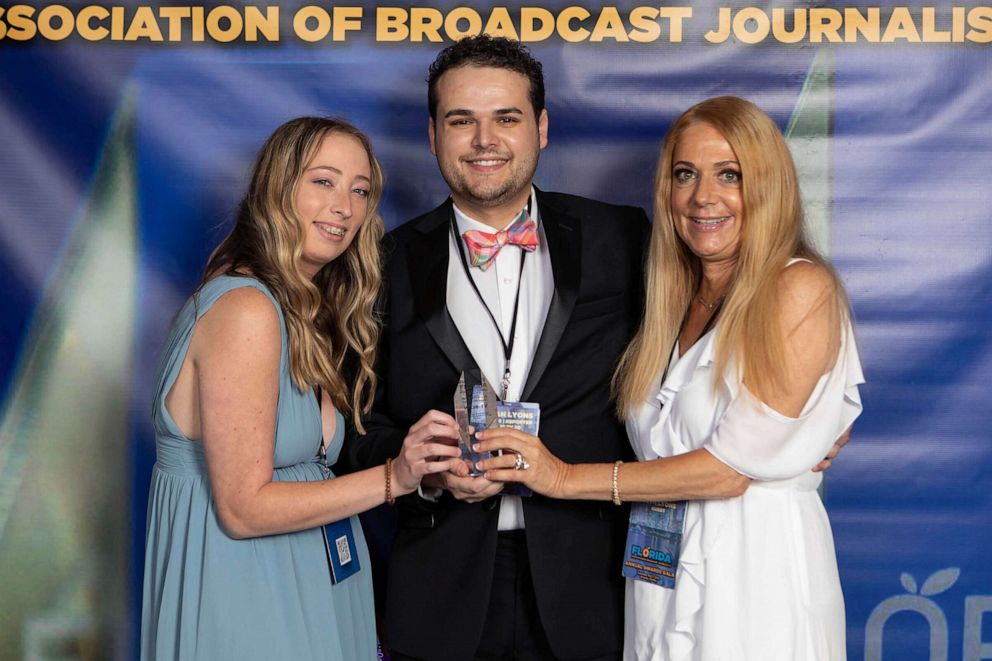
x: 126, y: 132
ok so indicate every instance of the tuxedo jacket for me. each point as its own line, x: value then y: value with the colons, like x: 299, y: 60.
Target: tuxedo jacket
x: 441, y: 564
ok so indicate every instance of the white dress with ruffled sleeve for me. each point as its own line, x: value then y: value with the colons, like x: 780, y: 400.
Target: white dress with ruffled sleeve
x: 757, y: 578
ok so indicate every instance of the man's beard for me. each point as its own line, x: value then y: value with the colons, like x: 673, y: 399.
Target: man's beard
x: 488, y: 195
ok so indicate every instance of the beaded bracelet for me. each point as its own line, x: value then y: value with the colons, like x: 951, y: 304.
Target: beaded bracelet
x: 389, y: 482
x: 616, y: 483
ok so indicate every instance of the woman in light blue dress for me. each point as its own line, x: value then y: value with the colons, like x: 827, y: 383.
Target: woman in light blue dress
x: 247, y: 422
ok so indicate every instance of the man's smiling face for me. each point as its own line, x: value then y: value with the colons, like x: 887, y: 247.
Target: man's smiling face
x: 487, y: 140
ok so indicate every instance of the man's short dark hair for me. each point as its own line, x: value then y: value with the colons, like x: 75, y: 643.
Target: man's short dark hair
x: 486, y: 51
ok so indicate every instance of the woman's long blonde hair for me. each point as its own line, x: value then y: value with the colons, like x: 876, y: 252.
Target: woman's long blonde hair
x: 330, y: 320
x: 772, y: 233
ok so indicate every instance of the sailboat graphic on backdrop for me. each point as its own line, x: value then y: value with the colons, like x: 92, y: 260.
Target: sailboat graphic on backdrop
x: 64, y: 469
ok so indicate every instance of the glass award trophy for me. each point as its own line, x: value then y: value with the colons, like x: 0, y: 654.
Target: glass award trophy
x: 480, y: 415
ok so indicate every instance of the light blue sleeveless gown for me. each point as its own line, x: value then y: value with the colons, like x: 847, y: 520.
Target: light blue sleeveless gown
x: 208, y: 596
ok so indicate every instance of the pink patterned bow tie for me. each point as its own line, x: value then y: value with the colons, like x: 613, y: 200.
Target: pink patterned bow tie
x: 484, y: 246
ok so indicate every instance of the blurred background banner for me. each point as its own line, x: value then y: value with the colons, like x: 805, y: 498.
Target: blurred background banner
x: 122, y: 163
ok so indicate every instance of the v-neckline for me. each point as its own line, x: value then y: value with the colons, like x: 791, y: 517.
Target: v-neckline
x: 679, y: 354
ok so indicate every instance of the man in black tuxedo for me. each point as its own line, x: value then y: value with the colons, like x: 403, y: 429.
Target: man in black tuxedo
x: 474, y: 573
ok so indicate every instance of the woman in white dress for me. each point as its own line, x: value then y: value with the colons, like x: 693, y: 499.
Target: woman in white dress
x: 743, y: 375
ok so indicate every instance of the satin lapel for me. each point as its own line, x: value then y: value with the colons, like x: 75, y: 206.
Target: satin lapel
x: 427, y: 257
x: 565, y: 248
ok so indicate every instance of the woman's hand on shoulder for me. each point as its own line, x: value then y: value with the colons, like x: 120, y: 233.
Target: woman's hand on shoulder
x: 808, y: 314
x: 236, y: 352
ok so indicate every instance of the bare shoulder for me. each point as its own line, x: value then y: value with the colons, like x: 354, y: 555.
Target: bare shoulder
x: 805, y: 289
x: 242, y: 319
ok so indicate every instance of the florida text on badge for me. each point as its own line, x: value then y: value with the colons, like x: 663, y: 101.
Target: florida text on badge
x: 654, y: 540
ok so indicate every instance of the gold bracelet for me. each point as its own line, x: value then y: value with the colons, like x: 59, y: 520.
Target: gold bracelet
x: 389, y: 483
x: 616, y: 483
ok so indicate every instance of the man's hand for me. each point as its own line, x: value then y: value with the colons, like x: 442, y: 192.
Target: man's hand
x: 436, y: 425
x: 466, y: 488
x: 834, y: 451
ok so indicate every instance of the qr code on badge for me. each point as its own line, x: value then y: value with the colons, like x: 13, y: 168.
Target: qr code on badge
x: 344, y: 553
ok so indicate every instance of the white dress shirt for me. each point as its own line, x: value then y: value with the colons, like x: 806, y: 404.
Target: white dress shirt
x: 498, y: 285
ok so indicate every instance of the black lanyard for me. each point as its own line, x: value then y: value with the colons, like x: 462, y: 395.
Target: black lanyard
x: 505, y: 342
x: 706, y: 328
x: 322, y: 449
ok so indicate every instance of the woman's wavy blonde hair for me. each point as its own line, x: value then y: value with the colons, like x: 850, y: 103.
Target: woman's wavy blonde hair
x: 772, y: 233
x: 330, y: 320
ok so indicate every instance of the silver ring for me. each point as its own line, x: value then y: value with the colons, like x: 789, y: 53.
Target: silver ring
x: 521, y: 464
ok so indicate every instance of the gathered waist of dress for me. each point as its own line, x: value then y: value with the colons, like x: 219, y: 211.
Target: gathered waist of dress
x: 180, y: 456
x: 807, y: 482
